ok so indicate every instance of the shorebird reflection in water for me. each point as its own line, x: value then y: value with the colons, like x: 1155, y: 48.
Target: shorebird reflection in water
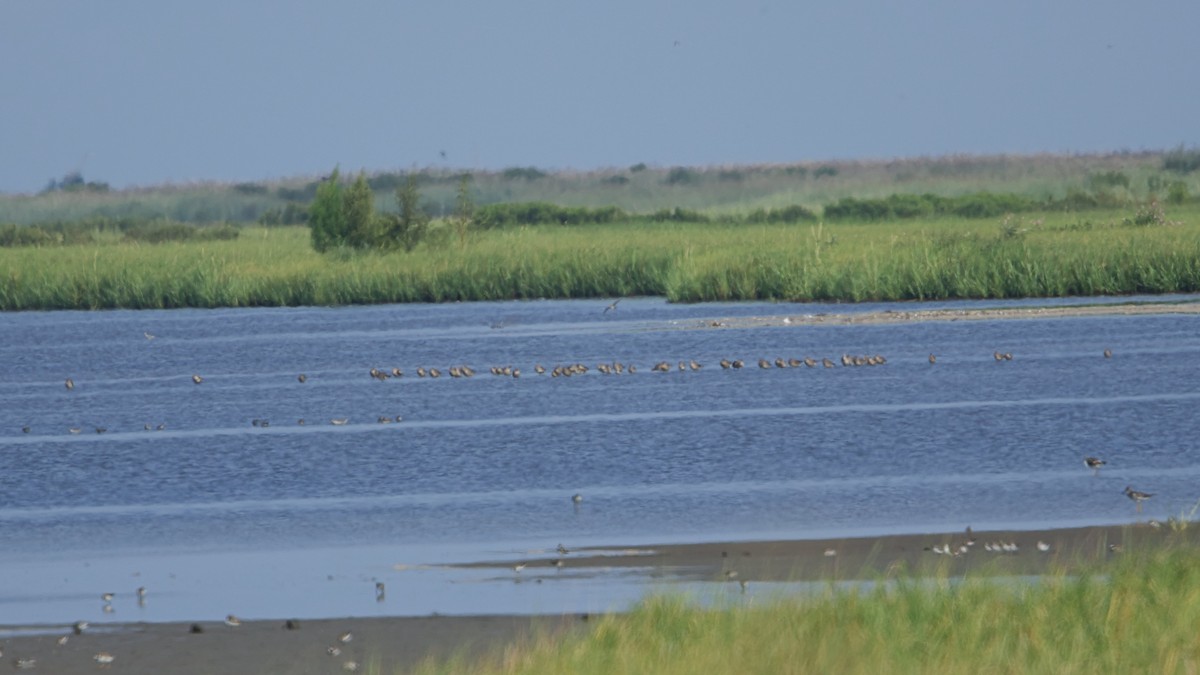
x: 1094, y: 463
x: 1137, y: 496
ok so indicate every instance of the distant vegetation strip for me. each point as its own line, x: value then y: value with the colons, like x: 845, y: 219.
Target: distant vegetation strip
x: 717, y: 192
x: 1034, y: 255
x: 1135, y: 615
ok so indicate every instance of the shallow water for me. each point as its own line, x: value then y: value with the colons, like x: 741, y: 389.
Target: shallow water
x: 218, y: 516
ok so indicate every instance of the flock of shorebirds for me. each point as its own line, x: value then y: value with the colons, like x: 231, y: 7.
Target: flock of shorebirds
x: 105, y: 659
x: 568, y: 370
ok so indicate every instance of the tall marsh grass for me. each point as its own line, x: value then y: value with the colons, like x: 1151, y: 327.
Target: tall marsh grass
x: 1044, y: 256
x: 1138, y: 615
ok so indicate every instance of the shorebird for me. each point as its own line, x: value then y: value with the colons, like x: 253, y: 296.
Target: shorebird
x: 563, y: 550
x: 339, y: 421
x: 1094, y: 463
x: 25, y: 429
x: 1137, y: 497
x: 231, y: 620
x: 1108, y: 353
x: 334, y: 651
x: 932, y: 359
x: 148, y: 335
x: 103, y: 658
x: 75, y: 430
x: 64, y: 640
x: 291, y: 624
x: 107, y: 597
x: 70, y: 384
x: 346, y: 637
x: 197, y: 379
x: 380, y: 591
x: 577, y: 498
x: 79, y: 627
x: 612, y: 306
x: 1043, y: 546
x: 518, y: 567
x: 302, y: 378
x: 141, y: 592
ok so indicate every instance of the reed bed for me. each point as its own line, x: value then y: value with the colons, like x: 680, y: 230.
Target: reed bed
x: 1037, y: 256
x: 1137, y: 615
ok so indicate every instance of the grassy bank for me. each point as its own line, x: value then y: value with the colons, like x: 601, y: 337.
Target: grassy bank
x: 1054, y: 254
x: 1137, y: 614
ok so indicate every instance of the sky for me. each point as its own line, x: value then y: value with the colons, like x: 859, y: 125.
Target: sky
x: 145, y: 93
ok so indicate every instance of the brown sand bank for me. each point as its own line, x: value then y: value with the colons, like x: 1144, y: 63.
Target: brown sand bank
x: 398, y: 643
x: 902, y: 316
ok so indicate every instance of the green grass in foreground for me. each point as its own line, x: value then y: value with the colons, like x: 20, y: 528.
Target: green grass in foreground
x: 1136, y: 615
x: 1038, y: 255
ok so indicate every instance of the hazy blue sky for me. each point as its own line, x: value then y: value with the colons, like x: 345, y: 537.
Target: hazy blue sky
x: 137, y: 93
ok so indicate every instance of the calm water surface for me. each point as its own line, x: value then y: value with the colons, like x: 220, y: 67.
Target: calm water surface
x: 217, y: 515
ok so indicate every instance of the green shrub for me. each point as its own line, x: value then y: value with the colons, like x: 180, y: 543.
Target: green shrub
x: 25, y: 235
x: 544, y: 213
x: 523, y: 173
x: 408, y: 227
x: 325, y: 215
x: 1177, y: 192
x: 680, y: 175
x: 825, y: 170
x: 640, y: 166
x: 1181, y: 160
x: 788, y: 214
x: 1108, y: 179
x: 675, y: 215
x: 289, y: 214
x: 250, y: 188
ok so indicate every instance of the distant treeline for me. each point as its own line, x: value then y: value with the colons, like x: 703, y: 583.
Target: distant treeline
x: 975, y: 205
x: 98, y: 228
x: 492, y: 216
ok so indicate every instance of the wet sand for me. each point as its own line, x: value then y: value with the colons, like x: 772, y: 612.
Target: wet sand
x: 993, y: 314
x: 398, y: 643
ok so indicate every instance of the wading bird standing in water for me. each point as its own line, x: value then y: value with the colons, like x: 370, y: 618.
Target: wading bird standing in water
x: 1094, y: 463
x: 1137, y: 497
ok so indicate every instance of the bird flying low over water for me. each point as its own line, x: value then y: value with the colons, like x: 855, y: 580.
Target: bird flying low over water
x: 613, y: 306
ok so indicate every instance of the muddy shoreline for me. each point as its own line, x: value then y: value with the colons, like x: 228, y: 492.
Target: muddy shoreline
x: 398, y: 643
